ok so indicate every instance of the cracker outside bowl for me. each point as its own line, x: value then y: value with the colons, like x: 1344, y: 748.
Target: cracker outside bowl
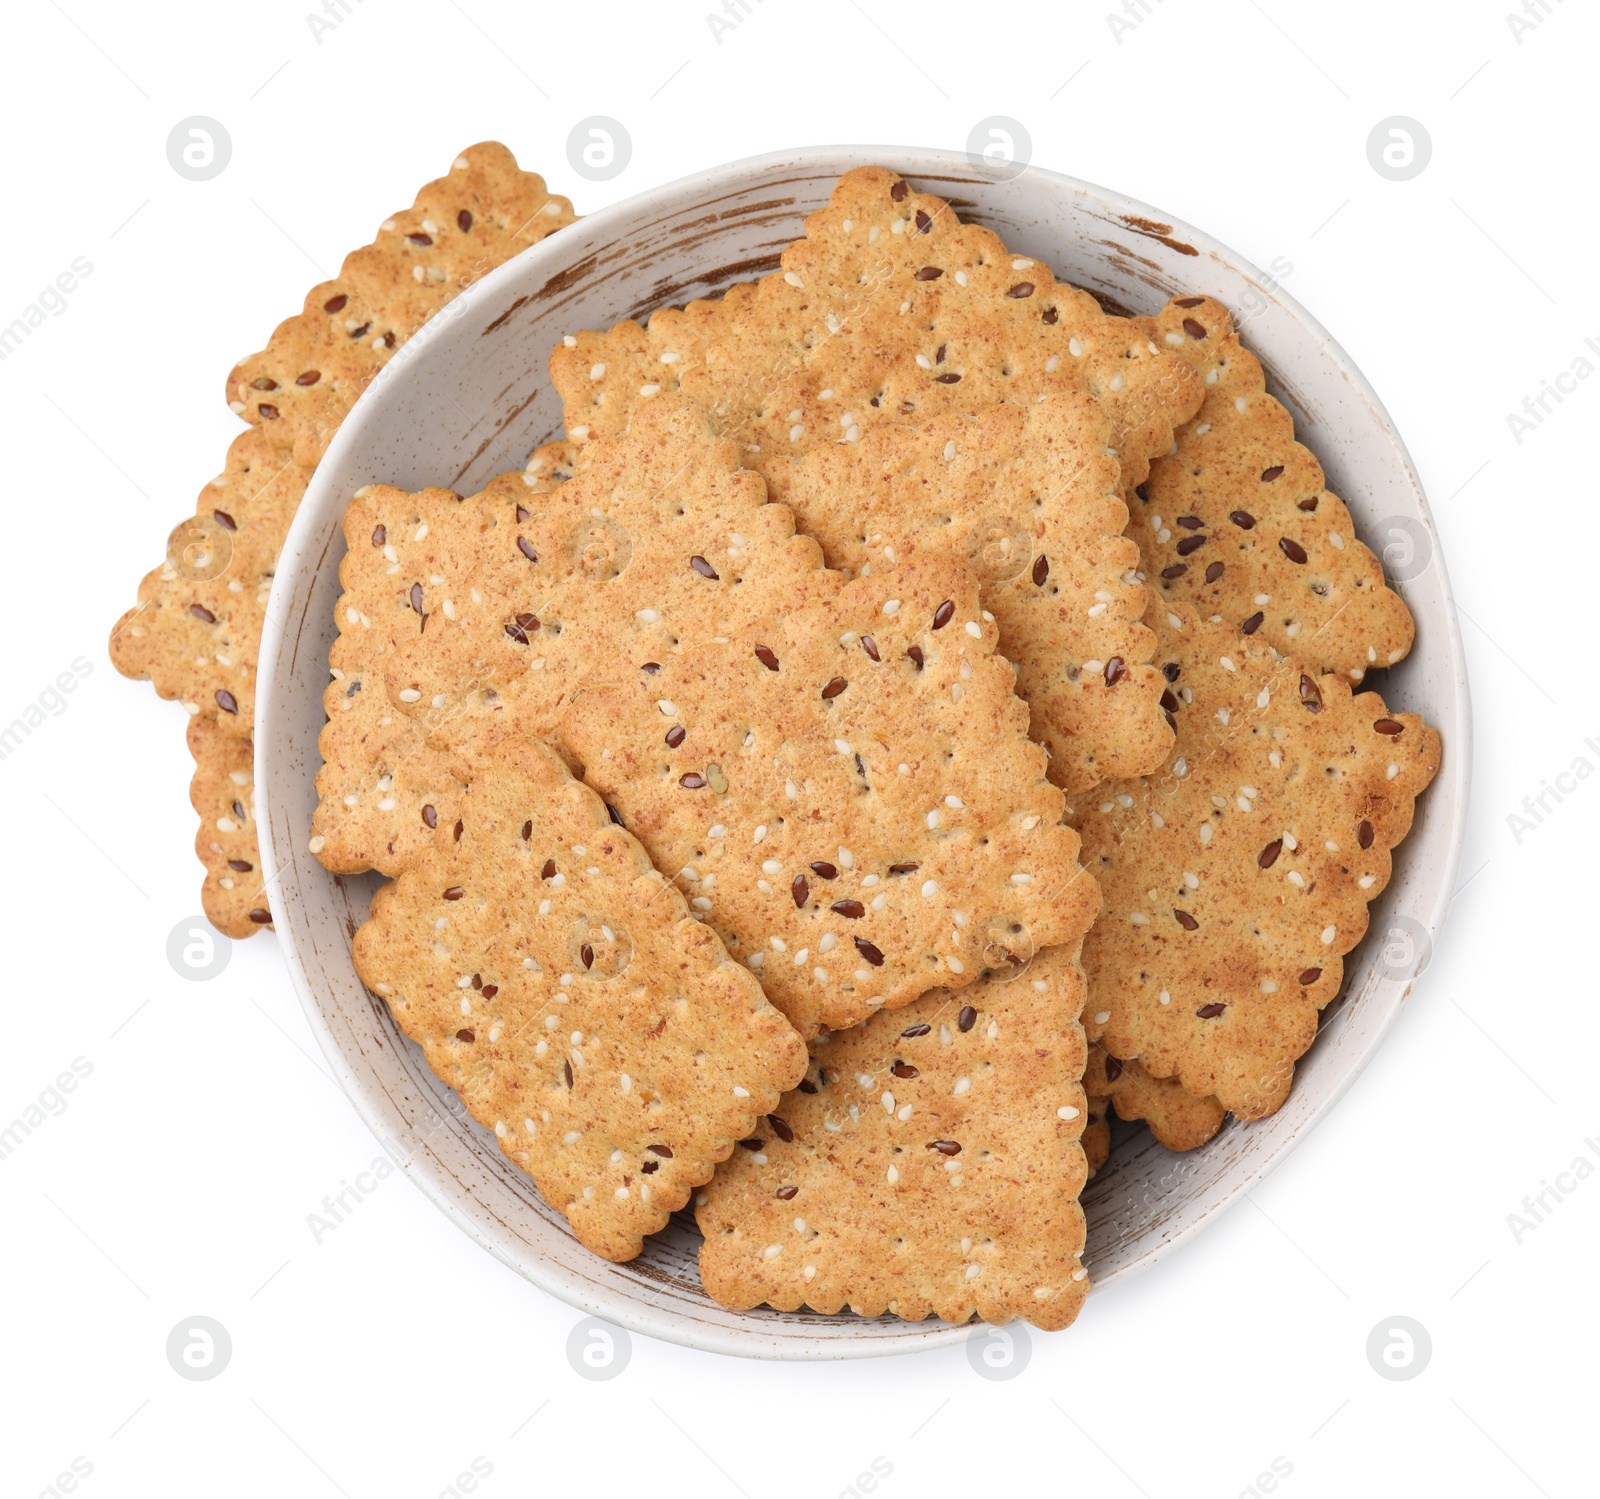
x: 487, y: 351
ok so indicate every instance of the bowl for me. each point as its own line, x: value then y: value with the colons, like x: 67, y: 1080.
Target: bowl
x: 487, y: 352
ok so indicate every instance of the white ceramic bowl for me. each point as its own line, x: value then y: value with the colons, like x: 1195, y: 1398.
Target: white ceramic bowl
x: 468, y: 398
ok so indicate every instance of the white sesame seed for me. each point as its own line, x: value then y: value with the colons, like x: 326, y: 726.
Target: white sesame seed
x: 891, y: 606
x: 929, y: 889
x: 1102, y: 1017
x: 974, y: 629
x: 1066, y: 1111
x: 1328, y: 934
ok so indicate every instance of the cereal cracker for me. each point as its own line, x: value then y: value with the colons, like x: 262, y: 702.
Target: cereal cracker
x: 1237, y: 878
x: 196, y: 630
x: 560, y: 985
x: 890, y: 310
x: 929, y: 1163
x: 847, y: 791
x: 1028, y: 496
x: 1238, y: 522
x: 459, y: 228
x: 661, y: 541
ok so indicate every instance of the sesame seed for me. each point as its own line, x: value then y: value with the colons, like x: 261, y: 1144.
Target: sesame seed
x: 891, y: 606
x: 929, y: 889
x: 1066, y: 1111
x: 974, y: 629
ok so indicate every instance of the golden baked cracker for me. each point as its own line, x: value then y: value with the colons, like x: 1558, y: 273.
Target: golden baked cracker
x: 460, y: 227
x: 559, y: 984
x: 661, y: 541
x: 848, y: 793
x: 1237, y: 878
x: 929, y: 1163
x: 233, y: 895
x: 891, y: 310
x: 1028, y: 496
x: 1177, y: 1118
x: 382, y: 789
x: 1238, y: 521
x: 196, y: 630
x: 604, y: 377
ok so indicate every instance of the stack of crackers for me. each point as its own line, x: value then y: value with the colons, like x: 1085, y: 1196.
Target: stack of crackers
x: 910, y: 715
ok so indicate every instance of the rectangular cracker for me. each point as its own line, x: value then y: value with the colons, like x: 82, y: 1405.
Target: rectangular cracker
x: 196, y: 630
x: 848, y: 792
x: 1029, y: 497
x: 600, y: 1031
x: 890, y: 310
x: 660, y: 542
x: 930, y: 1163
x: 1237, y: 520
x: 1224, y: 526
x: 1236, y: 879
x: 459, y: 228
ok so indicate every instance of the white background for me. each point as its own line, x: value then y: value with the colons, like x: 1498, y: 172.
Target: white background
x: 383, y: 1360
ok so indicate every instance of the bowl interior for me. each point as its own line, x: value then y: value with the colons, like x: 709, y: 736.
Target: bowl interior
x: 488, y: 350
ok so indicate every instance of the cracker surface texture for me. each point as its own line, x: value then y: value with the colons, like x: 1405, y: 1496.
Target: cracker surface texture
x: 847, y: 794
x: 889, y: 310
x: 928, y: 1164
x: 195, y: 632
x: 1028, y: 497
x: 659, y: 542
x: 1237, y: 879
x: 562, y: 988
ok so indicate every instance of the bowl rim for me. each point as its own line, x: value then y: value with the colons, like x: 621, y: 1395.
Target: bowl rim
x: 942, y: 167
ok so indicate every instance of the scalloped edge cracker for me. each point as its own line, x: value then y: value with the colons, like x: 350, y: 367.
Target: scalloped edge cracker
x: 1030, y: 499
x: 602, y: 1034
x: 889, y: 310
x: 1237, y: 521
x: 1237, y: 879
x: 929, y: 1164
x: 848, y: 794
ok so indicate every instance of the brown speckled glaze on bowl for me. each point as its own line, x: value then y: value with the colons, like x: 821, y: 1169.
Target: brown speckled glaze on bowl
x: 488, y: 352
